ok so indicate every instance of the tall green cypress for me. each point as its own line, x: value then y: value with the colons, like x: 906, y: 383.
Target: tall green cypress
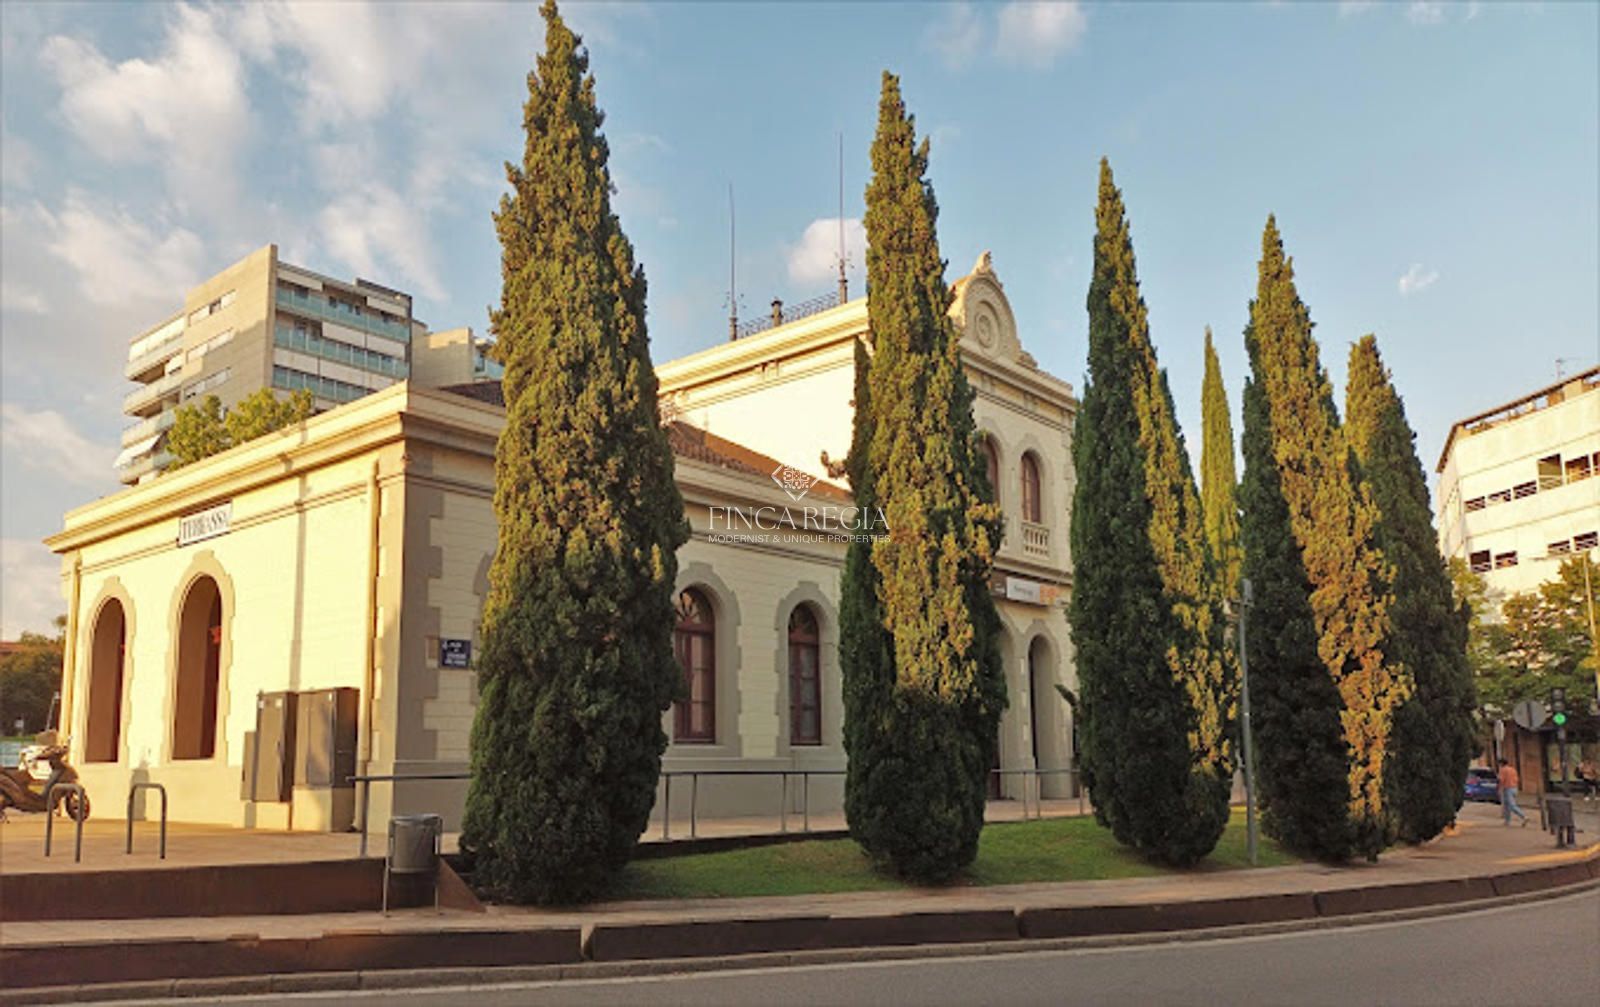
x: 926, y: 689
x: 1315, y: 638
x: 1218, y: 483
x: 1156, y: 697
x: 1434, y: 736
x: 577, y: 663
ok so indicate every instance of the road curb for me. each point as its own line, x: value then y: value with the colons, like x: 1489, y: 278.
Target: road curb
x: 369, y: 961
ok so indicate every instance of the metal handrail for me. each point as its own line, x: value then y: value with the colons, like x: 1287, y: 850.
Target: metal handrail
x: 50, y: 814
x: 131, y: 792
x: 367, y: 779
x: 783, y: 807
x: 1038, y: 795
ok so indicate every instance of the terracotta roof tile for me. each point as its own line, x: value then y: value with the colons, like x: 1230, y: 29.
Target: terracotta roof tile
x: 687, y: 441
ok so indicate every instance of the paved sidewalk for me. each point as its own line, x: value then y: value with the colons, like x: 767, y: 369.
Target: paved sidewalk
x: 1480, y: 846
x: 104, y: 839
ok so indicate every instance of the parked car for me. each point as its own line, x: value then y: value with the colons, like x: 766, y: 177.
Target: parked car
x: 1483, y: 785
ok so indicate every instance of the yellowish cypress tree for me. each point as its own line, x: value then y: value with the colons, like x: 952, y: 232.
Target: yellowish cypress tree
x: 1332, y: 521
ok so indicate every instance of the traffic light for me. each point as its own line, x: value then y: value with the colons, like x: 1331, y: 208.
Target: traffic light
x: 1560, y: 719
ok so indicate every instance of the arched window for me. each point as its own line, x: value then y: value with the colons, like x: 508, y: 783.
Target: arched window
x: 108, y: 651
x: 1032, y: 505
x: 695, y: 640
x: 805, y: 678
x: 194, y: 712
x: 991, y: 461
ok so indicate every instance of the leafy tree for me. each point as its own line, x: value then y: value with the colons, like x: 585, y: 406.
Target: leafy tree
x: 1219, y: 484
x: 577, y: 660
x: 1326, y: 694
x: 1157, y: 698
x: 204, y: 429
x: 1481, y: 603
x: 1434, y: 734
x: 926, y: 691
x: 1541, y: 641
x: 197, y: 432
x: 30, y: 677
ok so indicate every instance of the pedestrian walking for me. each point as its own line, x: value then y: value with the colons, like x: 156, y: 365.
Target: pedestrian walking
x: 1589, y: 776
x: 1508, y: 794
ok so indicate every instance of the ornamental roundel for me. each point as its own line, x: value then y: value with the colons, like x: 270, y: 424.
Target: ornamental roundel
x: 986, y: 329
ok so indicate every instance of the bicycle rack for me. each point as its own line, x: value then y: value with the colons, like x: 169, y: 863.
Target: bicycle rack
x: 163, y: 791
x: 50, y: 816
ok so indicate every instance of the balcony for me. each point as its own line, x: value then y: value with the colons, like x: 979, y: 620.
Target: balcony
x: 145, y: 400
x: 149, y: 427
x: 1035, y: 540
x: 143, y: 466
x: 314, y: 306
x: 153, y: 359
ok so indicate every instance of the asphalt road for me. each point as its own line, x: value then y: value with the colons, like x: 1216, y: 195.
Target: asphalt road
x: 1545, y: 953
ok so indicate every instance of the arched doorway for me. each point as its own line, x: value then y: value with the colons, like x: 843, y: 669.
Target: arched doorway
x: 108, y: 648
x: 194, y: 710
x: 1044, y: 714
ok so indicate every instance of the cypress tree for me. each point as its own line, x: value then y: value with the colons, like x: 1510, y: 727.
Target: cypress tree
x: 921, y: 660
x: 1434, y: 734
x: 1156, y: 696
x: 1327, y: 697
x: 577, y: 663
x: 1218, y: 483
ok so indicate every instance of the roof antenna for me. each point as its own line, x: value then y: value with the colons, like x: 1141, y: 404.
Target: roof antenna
x: 844, y: 284
x: 733, y: 290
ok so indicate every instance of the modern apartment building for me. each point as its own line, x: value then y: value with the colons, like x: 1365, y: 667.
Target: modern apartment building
x: 1519, y: 484
x: 263, y: 323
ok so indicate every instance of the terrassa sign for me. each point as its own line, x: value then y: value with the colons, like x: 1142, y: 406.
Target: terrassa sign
x: 209, y: 523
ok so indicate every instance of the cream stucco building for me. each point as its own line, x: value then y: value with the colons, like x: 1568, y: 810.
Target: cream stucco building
x: 252, y: 629
x: 1518, y: 486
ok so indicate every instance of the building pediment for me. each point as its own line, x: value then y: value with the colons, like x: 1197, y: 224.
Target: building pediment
x: 983, y: 314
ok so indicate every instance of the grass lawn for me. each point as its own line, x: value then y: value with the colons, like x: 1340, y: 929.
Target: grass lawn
x: 1057, y: 849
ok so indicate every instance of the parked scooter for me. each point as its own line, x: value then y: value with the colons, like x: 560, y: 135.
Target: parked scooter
x: 20, y: 790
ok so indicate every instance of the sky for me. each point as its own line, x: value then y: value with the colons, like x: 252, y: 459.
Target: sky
x: 1433, y: 168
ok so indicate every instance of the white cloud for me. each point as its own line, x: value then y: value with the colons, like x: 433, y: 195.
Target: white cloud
x: 18, y: 161
x: 815, y: 258
x: 1036, y: 33
x: 956, y: 37
x: 1425, y: 12
x: 185, y: 108
x: 16, y: 297
x: 1416, y: 279
x: 1351, y: 8
x: 119, y: 259
x: 350, y: 60
x: 47, y: 441
x: 30, y: 588
x: 378, y: 232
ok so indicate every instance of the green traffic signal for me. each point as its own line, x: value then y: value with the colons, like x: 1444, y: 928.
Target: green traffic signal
x: 1560, y: 719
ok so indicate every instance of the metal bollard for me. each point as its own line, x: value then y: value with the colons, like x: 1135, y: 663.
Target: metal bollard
x: 50, y: 814
x: 131, y: 792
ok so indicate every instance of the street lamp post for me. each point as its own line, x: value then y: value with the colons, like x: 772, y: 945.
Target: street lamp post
x: 1244, y: 722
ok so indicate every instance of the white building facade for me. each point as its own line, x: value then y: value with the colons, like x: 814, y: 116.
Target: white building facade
x: 1519, y: 485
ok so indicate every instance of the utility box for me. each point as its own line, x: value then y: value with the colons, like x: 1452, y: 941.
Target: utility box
x: 270, y: 749
x: 325, y: 758
x: 325, y: 738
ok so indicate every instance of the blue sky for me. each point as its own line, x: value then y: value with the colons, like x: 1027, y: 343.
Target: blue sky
x: 1433, y: 168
